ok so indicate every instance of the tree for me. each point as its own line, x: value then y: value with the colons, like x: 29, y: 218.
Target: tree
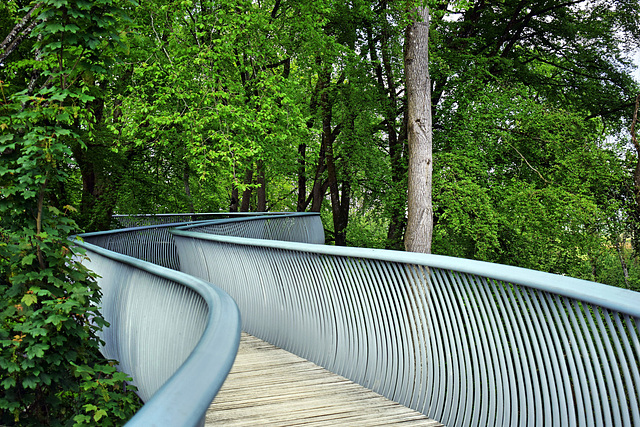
x: 420, y: 209
x: 53, y: 372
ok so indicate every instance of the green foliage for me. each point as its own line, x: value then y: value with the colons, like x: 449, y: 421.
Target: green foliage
x: 525, y: 183
x: 49, y: 318
x: 214, y: 94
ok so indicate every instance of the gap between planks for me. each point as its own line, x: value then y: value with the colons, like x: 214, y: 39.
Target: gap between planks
x: 270, y: 386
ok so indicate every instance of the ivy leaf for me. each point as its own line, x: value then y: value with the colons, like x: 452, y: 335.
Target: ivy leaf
x: 27, y: 260
x: 30, y: 382
x: 36, y: 350
x: 29, y: 299
x: 99, y: 414
x: 8, y: 383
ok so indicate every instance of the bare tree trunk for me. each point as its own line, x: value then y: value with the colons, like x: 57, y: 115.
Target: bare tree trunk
x: 302, y: 178
x: 416, y: 59
x: 246, y: 194
x: 262, y: 188
x: 319, y: 187
x: 187, y: 187
x: 233, y: 203
x: 636, y: 145
x: 623, y: 264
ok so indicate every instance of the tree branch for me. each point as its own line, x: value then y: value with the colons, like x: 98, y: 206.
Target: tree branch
x: 17, y: 29
x: 634, y: 122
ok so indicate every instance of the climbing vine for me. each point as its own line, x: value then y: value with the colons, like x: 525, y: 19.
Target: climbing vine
x: 52, y: 371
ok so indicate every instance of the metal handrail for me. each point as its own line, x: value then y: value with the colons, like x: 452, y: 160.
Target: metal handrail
x: 178, y: 363
x: 465, y: 342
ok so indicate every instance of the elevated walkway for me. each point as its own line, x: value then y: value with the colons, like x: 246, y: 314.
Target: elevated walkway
x: 270, y: 386
x: 463, y: 342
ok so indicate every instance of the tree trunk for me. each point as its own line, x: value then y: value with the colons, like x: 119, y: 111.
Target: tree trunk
x: 233, y: 203
x: 396, y: 200
x: 246, y: 194
x: 416, y: 59
x: 302, y: 178
x: 636, y: 178
x: 262, y: 188
x: 623, y: 264
x: 319, y: 188
x: 187, y: 186
x: 339, y: 203
x: 636, y: 145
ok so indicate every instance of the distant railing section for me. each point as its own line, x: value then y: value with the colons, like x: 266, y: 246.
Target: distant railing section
x: 154, y: 243
x: 465, y: 342
x: 294, y: 227
x: 141, y: 220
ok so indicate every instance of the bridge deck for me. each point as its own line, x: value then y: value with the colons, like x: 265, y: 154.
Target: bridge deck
x: 270, y: 386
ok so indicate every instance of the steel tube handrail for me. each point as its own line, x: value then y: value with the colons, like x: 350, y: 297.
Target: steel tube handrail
x: 611, y: 297
x: 184, y: 398
x: 465, y: 342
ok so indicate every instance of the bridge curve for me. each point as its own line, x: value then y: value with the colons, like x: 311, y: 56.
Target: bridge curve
x: 464, y: 342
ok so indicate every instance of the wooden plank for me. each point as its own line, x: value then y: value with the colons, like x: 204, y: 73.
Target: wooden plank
x: 270, y: 386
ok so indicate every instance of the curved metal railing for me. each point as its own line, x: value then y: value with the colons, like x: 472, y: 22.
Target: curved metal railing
x: 141, y: 220
x: 465, y: 342
x: 293, y: 227
x: 176, y: 335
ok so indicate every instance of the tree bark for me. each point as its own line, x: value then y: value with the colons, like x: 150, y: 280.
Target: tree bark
x: 246, y: 194
x: 262, y: 188
x: 187, y: 186
x: 625, y: 271
x: 233, y: 203
x: 636, y: 145
x: 302, y: 178
x: 419, y: 132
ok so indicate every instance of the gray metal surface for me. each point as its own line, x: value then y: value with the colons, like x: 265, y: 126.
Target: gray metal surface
x: 293, y: 227
x: 141, y: 220
x: 465, y: 342
x: 176, y: 335
x: 153, y: 243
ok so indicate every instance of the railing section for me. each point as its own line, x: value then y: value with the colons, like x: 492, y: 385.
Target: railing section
x: 176, y: 335
x: 141, y: 220
x: 294, y: 227
x: 465, y: 342
x: 154, y: 244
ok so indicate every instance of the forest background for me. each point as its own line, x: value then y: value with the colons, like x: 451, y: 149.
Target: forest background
x: 276, y: 105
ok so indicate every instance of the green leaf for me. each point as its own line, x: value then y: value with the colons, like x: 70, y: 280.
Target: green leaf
x: 99, y: 414
x: 30, y: 382
x: 71, y: 28
x: 27, y: 260
x: 60, y: 96
x: 54, y: 27
x: 36, y: 350
x: 63, y: 117
x: 29, y: 299
x: 8, y: 383
x: 90, y: 407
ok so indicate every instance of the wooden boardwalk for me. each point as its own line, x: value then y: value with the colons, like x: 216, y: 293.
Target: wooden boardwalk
x: 270, y: 386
